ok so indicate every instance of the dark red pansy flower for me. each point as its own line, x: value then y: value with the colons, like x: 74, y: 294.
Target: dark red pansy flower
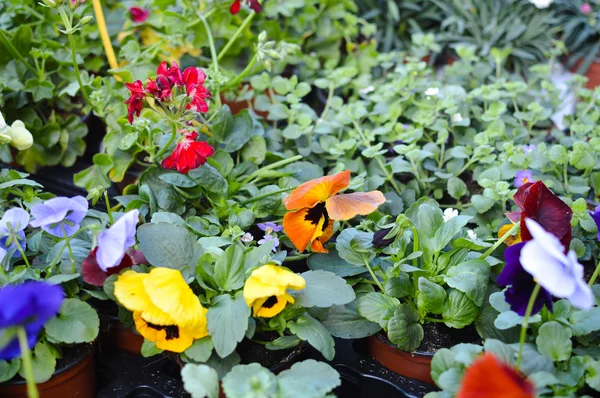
x: 253, y: 4
x: 194, y: 78
x: 489, y: 377
x: 188, y: 154
x: 94, y: 275
x: 537, y: 202
x: 138, y: 15
x: 135, y: 101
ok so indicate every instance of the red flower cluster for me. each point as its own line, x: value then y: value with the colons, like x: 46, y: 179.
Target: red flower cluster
x: 537, y: 202
x: 138, y: 15
x: 161, y: 89
x: 188, y: 154
x: 253, y: 4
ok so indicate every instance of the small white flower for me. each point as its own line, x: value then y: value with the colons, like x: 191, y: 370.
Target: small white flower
x: 247, y: 238
x: 366, y: 90
x: 472, y: 235
x: 432, y: 91
x: 541, y: 3
x: 449, y: 214
x: 457, y: 118
x: 21, y: 137
x: 2, y: 122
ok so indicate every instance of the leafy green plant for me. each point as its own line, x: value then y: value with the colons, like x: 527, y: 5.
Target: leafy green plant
x: 580, y: 31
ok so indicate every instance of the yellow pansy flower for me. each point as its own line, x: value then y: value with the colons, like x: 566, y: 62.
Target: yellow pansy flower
x: 511, y: 239
x: 265, y: 290
x: 165, y: 310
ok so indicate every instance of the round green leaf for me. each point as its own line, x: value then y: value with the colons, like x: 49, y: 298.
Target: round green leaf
x: 77, y: 322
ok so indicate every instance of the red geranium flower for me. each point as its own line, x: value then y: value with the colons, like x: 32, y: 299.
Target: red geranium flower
x: 188, y: 154
x: 193, y: 79
x: 253, y: 4
x: 94, y: 275
x: 173, y: 73
x: 537, y: 202
x: 135, y: 99
x: 138, y: 15
x: 160, y: 88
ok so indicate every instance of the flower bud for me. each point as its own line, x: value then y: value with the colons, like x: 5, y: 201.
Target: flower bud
x: 85, y: 20
x: 75, y: 3
x: 21, y: 137
x: 52, y: 3
x: 379, y: 240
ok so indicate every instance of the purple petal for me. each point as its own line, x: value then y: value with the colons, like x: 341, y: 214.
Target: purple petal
x: 114, y: 242
x: 60, y: 213
x: 16, y: 217
x: 596, y: 217
x: 262, y: 226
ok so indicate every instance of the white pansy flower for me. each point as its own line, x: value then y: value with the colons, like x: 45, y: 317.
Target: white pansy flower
x: 449, y: 214
x: 366, y: 90
x: 541, y: 3
x: 472, y: 235
x: 432, y: 91
x: 457, y: 118
x: 247, y: 238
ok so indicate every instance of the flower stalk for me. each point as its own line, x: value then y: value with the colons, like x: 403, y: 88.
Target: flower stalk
x: 525, y: 323
x: 500, y: 240
x: 32, y: 391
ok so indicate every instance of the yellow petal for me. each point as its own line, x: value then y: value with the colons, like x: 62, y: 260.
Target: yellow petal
x: 273, y: 275
x: 274, y: 309
x: 169, y: 292
x: 129, y: 291
x: 511, y: 239
x: 255, y: 290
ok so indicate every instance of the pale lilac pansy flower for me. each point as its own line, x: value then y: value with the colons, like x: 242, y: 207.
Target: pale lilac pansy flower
x: 596, y: 217
x: 268, y: 238
x: 523, y: 177
x: 114, y: 242
x: 559, y: 273
x: 269, y: 227
x: 247, y: 237
x: 12, y: 224
x: 528, y: 148
x: 60, y: 216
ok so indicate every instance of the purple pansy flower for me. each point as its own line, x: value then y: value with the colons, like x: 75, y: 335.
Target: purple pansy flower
x: 60, y: 216
x: 520, y: 283
x: 523, y: 177
x: 14, y: 220
x: 528, y: 148
x: 559, y: 273
x: 268, y: 238
x: 269, y: 227
x: 29, y: 305
x: 114, y: 242
x: 596, y: 217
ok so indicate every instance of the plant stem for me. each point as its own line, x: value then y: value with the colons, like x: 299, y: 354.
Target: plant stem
x: 525, y: 323
x: 108, y: 209
x: 566, y: 177
x: 594, y: 275
x: 243, y: 26
x: 15, y: 53
x: 373, y: 275
x: 108, y: 48
x: 271, y: 166
x: 77, y: 73
x: 500, y: 240
x: 297, y: 258
x: 242, y: 75
x: 27, y: 365
x: 71, y: 256
x: 266, y: 195
x: 211, y: 43
x: 20, y: 249
x: 168, y: 144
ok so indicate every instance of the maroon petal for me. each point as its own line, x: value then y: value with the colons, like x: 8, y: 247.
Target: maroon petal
x: 93, y: 274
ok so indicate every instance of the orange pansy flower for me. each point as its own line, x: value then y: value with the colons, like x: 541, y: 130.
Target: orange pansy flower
x: 315, y: 206
x: 511, y: 239
x: 488, y: 377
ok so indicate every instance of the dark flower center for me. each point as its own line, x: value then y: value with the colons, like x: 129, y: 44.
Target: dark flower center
x: 314, y: 215
x: 172, y: 331
x: 271, y: 301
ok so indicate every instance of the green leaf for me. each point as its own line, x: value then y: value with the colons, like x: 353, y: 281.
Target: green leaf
x: 332, y: 262
x: 227, y: 322
x: 431, y: 297
x: 353, y: 245
x: 481, y: 203
x: 502, y: 351
x: 44, y: 363
x: 592, y: 373
x: 200, y: 350
x: 251, y: 380
x: 77, y: 322
x: 448, y: 230
x: 283, y: 343
x: 471, y: 278
x: 324, y: 289
x: 377, y: 307
x: 168, y: 245
x: 308, y: 379
x: 200, y: 381
x: 149, y: 349
x: 255, y: 150
x: 554, y: 341
x: 258, y: 256
x: 209, y: 178
x: 232, y: 132
x: 585, y: 322
x: 442, y: 361
x: 457, y: 188
x: 309, y: 329
x: 39, y: 89
x: 96, y: 175
x: 8, y: 369
x: 179, y: 180
x: 404, y: 328
x: 229, y: 269
x: 344, y: 321
x: 460, y: 311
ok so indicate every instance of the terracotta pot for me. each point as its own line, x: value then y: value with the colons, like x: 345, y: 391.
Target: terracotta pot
x: 116, y: 335
x: 238, y: 106
x: 593, y: 74
x: 416, y: 365
x: 76, y: 379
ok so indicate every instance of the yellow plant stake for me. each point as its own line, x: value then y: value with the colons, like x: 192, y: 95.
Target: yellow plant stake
x: 108, y: 48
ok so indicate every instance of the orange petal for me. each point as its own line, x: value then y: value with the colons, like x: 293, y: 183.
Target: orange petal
x: 317, y: 190
x: 511, y: 239
x: 317, y: 244
x: 346, y: 206
x: 488, y: 377
x: 298, y: 229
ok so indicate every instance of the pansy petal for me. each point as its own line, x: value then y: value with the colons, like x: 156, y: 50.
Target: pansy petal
x: 130, y: 292
x: 272, y: 274
x: 582, y: 297
x: 546, y: 269
x: 17, y: 218
x: 298, y: 228
x: 317, y: 190
x: 317, y: 244
x: 274, y: 309
x: 347, y: 206
x: 255, y: 290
